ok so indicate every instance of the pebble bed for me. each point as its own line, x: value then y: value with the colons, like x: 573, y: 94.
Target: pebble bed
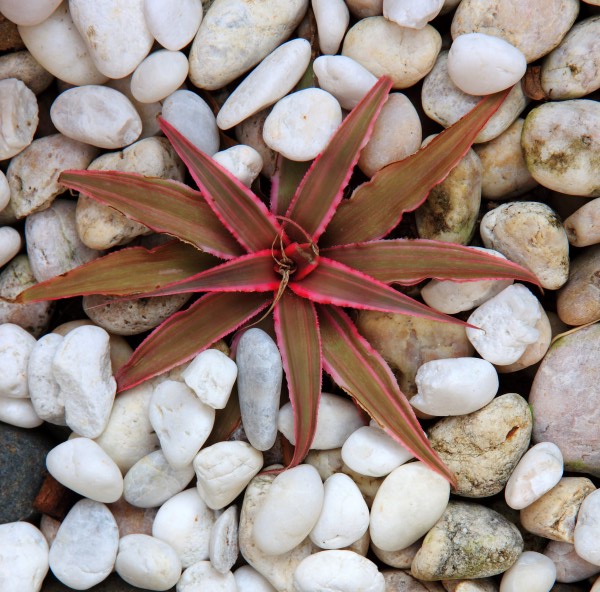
x: 153, y: 503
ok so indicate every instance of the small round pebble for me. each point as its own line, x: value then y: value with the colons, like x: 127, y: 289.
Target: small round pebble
x: 532, y: 571
x: 22, y: 65
x: 203, y: 575
x: 19, y: 413
x: 28, y: 12
x: 160, y: 74
x: 173, y: 23
x: 19, y: 109
x: 249, y: 580
x: 243, y: 162
x: 414, y: 14
x: 332, y: 18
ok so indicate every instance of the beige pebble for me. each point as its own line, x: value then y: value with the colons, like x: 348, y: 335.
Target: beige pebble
x: 569, y: 566
x: 583, y: 225
x: 250, y: 132
x: 365, y: 8
x: 23, y: 66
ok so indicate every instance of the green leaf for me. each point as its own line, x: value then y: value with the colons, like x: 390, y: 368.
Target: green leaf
x: 284, y: 182
x: 163, y: 206
x: 358, y: 369
x: 127, y: 272
x: 376, y: 207
x: 300, y: 346
x: 187, y: 333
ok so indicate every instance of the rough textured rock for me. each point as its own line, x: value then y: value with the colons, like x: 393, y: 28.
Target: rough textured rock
x: 23, y: 66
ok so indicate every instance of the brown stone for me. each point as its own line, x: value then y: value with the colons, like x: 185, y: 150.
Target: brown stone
x: 131, y: 519
x: 9, y: 35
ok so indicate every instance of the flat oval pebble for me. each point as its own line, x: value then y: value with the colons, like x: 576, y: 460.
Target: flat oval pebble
x: 22, y: 65
x: 96, y: 115
x: 204, y: 575
x: 28, y: 12
x: 569, y: 566
x: 81, y: 465
x: 19, y: 108
x: 223, y: 546
x: 160, y: 74
x: 532, y: 571
x: 173, y: 23
x: 84, y: 550
x: 146, y: 562
x: 332, y: 18
x: 243, y: 162
x: 587, y: 529
x: 248, y: 579
x: 19, y: 413
x: 16, y: 345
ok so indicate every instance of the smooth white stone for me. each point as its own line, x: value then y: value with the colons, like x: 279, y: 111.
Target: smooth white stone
x: 85, y: 547
x: 371, y: 452
x: 272, y: 79
x: 409, y: 502
x: 300, y: 125
x: 181, y: 421
x: 15, y: 348
x: 332, y: 18
x: 538, y: 471
x: 480, y: 64
x: 4, y: 191
x: 346, y: 79
x: 506, y: 325
x: 81, y: 465
x: 151, y: 481
x: 223, y: 471
x: 173, y: 23
x: 344, y: 517
x: 146, y: 562
x: 453, y: 297
x: 28, y: 12
x: 19, y: 412
x: 96, y: 115
x: 248, y: 579
x: 10, y: 244
x: 224, y: 549
x: 587, y: 529
x: 24, y: 557
x: 193, y: 118
x: 115, y: 33
x: 82, y: 369
x: 532, y: 571
x: 19, y: 109
x: 454, y: 386
x: 203, y: 575
x: 211, y: 375
x: 160, y: 74
x: 185, y: 523
x: 243, y: 162
x: 414, y: 14
x: 338, y: 571
x: 289, y: 511
x: 337, y: 418
x: 57, y: 45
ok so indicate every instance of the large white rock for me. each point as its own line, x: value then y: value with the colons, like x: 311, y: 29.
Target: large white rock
x: 19, y: 412
x: 82, y: 369
x: 96, y: 115
x: 19, y: 109
x: 272, y: 79
x: 224, y: 548
x: 332, y: 18
x: 532, y: 571
x: 173, y: 23
x: 289, y: 511
x: 24, y: 557
x: 414, y: 14
x: 85, y: 547
x: 46, y: 396
x: 482, y: 64
x: 160, y: 74
x: 223, y: 471
x: 16, y: 345
x: 249, y: 580
x: 587, y: 528
x: 243, y: 162
x: 203, y: 575
x: 28, y: 12
x: 185, y: 523
x: 409, y: 502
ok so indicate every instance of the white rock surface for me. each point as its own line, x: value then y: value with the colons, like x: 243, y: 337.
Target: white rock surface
x: 344, y: 518
x: 223, y: 471
x: 28, y: 12
x: 337, y: 418
x: 301, y: 124
x: 185, y: 523
x: 96, y: 115
x: 15, y: 348
x: 115, y: 34
x: 408, y: 503
x: 587, y: 528
x: 85, y: 547
x: 224, y: 548
x: 24, y: 557
x: 338, y: 571
x: 532, y: 571
x: 4, y: 191
x: 181, y: 421
x: 211, y: 375
x: 10, y: 244
x: 82, y: 369
x: 506, y: 325
x: 146, y: 562
x: 272, y: 79
x: 481, y: 64
x: 289, y: 511
x: 81, y: 465
x: 248, y: 579
x: 173, y: 23
x: 332, y: 18
x: 454, y: 386
x: 19, y: 412
x: 371, y: 452
x: 204, y: 575
x: 57, y: 45
x: 243, y: 162
x: 414, y: 14
x: 159, y: 75
x: 19, y: 109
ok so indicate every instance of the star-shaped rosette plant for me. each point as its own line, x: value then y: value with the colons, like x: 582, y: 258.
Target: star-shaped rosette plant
x: 306, y: 258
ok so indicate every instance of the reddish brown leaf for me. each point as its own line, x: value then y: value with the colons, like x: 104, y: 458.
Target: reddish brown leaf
x: 284, y: 183
x: 227, y: 420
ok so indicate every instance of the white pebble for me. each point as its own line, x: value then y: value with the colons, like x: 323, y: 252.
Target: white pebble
x: 19, y: 109
x: 181, y: 421
x: 337, y: 418
x: 203, y: 576
x: 19, y: 412
x: 185, y: 523
x: 289, y: 511
x: 173, y: 23
x: 532, y: 571
x: 211, y: 375
x: 538, y: 471
x: 414, y: 14
x: 371, y: 452
x: 28, y: 12
x: 300, y: 125
x: 223, y: 471
x: 4, y: 191
x: 81, y: 465
x: 10, y: 244
x: 454, y: 386
x: 243, y: 162
x: 249, y: 580
x: 587, y: 529
x: 224, y: 547
x: 15, y: 348
x: 332, y: 18
x: 506, y: 325
x: 481, y: 64
x: 160, y: 74
x: 145, y: 562
x: 272, y: 79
